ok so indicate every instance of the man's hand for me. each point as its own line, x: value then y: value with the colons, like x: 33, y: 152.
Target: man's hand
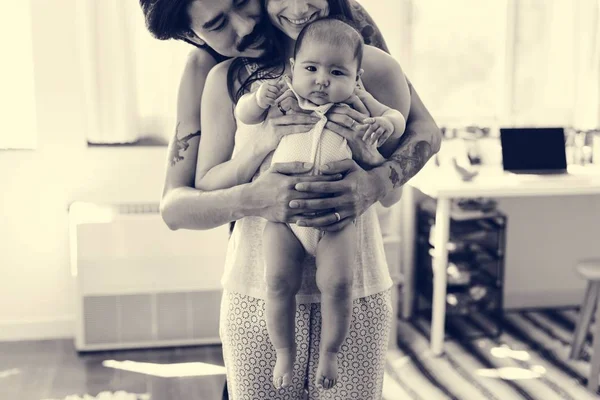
x: 350, y: 197
x: 277, y: 126
x: 274, y: 190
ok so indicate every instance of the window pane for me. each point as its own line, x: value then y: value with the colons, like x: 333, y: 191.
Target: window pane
x: 544, y: 75
x: 458, y: 56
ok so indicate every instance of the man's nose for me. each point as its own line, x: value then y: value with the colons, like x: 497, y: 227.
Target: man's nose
x: 242, y: 24
x: 299, y: 7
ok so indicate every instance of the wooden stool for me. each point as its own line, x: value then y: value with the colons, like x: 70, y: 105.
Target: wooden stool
x: 590, y: 271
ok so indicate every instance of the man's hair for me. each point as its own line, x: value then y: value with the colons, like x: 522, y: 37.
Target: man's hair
x: 167, y: 19
x: 332, y: 31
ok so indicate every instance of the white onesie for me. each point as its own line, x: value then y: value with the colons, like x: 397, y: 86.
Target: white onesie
x: 318, y: 146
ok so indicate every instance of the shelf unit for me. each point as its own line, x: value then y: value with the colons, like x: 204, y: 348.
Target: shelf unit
x: 475, y: 270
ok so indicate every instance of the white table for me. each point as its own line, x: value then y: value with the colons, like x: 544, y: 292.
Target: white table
x: 444, y: 184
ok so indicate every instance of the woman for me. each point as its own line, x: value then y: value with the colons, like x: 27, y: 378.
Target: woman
x: 243, y: 323
x: 232, y: 28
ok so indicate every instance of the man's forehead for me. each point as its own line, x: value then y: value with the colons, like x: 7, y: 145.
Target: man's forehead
x: 202, y: 11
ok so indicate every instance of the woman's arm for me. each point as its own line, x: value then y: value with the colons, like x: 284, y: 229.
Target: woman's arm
x: 377, y: 109
x: 216, y: 169
x: 360, y: 188
x: 184, y: 207
x: 385, y: 81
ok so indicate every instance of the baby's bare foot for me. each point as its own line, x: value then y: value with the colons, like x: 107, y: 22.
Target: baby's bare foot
x: 327, y: 370
x: 284, y: 367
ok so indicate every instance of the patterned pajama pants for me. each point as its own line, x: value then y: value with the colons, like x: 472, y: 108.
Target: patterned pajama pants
x: 250, y: 357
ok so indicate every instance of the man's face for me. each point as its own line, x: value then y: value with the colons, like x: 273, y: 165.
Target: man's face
x: 229, y: 26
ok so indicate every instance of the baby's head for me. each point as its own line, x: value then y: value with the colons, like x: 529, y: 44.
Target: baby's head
x: 327, y: 61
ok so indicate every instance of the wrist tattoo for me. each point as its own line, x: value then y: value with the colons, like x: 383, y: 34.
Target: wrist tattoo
x: 179, y: 146
x: 409, y: 159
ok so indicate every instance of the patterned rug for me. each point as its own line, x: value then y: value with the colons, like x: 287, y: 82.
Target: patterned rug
x: 528, y: 361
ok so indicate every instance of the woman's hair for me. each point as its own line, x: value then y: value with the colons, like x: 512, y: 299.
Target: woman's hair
x: 271, y: 65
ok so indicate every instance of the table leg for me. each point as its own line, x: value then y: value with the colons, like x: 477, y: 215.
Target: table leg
x: 440, y: 263
x: 409, y: 224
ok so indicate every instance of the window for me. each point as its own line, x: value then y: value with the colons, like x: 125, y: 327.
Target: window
x: 509, y: 62
x: 130, y: 78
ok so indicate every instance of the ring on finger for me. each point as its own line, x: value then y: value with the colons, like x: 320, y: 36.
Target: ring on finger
x: 337, y: 216
x: 352, y: 124
x: 281, y: 108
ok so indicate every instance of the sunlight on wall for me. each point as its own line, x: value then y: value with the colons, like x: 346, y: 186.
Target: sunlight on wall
x: 17, y: 103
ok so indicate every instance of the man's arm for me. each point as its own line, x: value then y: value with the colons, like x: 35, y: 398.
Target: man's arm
x: 183, y: 206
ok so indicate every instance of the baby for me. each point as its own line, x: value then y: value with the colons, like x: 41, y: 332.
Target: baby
x: 325, y: 70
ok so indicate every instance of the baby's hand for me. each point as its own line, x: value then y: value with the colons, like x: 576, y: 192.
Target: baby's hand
x: 379, y: 131
x: 266, y: 94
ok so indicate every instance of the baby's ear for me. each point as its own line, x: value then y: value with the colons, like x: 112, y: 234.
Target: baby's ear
x: 359, y: 74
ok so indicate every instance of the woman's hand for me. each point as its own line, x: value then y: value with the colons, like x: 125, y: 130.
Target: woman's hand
x: 347, y: 122
x: 276, y: 126
x: 274, y: 190
x: 348, y: 198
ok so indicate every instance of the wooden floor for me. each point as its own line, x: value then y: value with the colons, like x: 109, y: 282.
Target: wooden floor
x: 529, y: 360
x: 52, y: 369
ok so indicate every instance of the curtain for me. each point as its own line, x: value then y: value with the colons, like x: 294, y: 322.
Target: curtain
x: 587, y: 64
x: 17, y: 96
x: 130, y: 79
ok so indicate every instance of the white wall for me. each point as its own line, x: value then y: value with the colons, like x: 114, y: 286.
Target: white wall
x: 37, y: 186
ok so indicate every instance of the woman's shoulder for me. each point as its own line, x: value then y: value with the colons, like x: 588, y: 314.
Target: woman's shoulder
x: 377, y: 64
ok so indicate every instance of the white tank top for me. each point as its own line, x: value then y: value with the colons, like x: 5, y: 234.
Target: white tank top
x: 244, y: 264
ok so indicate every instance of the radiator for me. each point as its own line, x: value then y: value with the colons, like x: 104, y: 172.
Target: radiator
x: 139, y: 284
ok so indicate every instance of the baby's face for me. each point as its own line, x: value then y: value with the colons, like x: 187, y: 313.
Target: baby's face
x: 323, y: 73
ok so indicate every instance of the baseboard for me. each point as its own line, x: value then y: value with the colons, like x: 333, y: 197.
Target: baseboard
x: 40, y: 329
x: 542, y: 299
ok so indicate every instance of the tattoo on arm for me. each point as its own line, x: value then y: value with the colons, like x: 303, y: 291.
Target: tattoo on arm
x: 408, y: 160
x: 179, y: 146
x: 367, y: 27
